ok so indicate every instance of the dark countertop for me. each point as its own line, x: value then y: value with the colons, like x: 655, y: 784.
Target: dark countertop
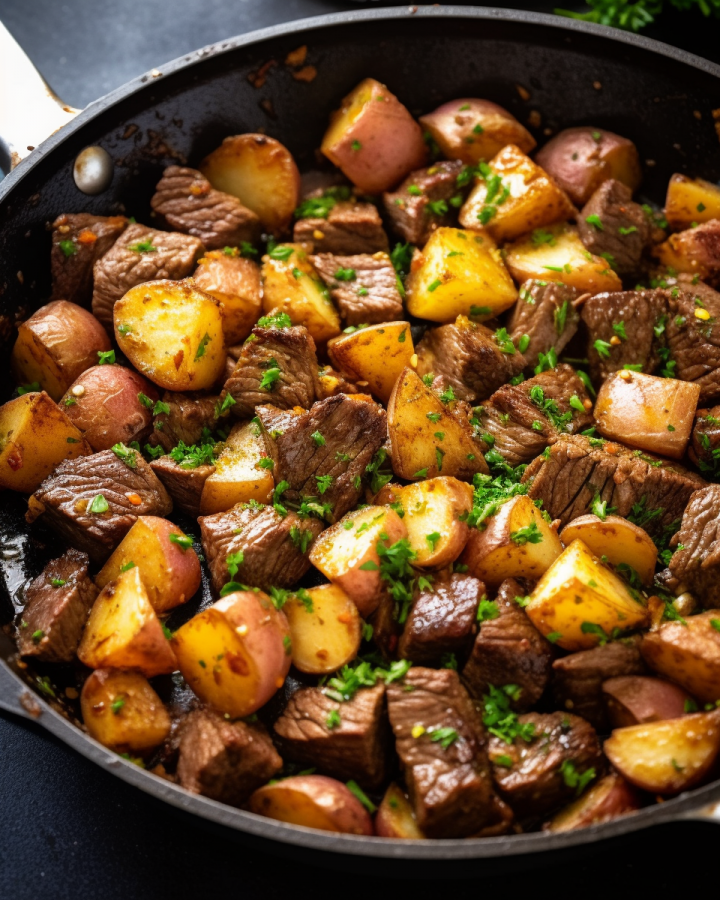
x: 68, y: 829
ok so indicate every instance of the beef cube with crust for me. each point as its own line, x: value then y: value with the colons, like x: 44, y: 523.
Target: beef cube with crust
x: 224, y: 760
x: 697, y: 566
x: 278, y: 366
x: 425, y: 201
x: 509, y: 650
x: 363, y: 287
x: 93, y: 501
x: 324, y: 452
x: 547, y: 314
x: 78, y: 242
x: 273, y: 548
x: 515, y: 443
x: 440, y: 739
x: 189, y: 203
x: 185, y: 485
x: 350, y: 227
x: 141, y: 254
x: 692, y: 332
x: 191, y: 416
x: 344, y: 740
x: 704, y: 448
x: 443, y: 620
x: 57, y: 604
x: 611, y: 225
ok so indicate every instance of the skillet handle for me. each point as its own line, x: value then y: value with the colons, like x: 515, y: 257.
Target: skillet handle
x: 29, y: 110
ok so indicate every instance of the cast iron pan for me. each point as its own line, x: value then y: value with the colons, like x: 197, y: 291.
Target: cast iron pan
x: 571, y: 73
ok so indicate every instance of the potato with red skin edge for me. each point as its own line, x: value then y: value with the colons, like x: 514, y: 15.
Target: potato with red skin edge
x: 236, y: 653
x: 667, y: 757
x: 123, y: 712
x: 56, y: 345
x: 261, y: 173
x: 170, y: 572
x: 235, y: 283
x: 373, y: 138
x: 617, y: 539
x: 395, y: 817
x: 314, y: 801
x: 609, y: 798
x: 103, y: 403
x: 454, y: 128
x: 688, y: 653
x: 636, y: 699
x: 580, y: 159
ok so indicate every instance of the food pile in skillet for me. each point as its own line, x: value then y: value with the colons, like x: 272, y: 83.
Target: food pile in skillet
x: 441, y: 418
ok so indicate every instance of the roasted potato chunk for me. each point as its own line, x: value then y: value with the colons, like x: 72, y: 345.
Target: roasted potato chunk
x: 611, y: 797
x: 691, y: 200
x: 621, y: 542
x: 235, y: 283
x: 395, y: 816
x: 695, y: 251
x: 325, y: 629
x: 376, y: 354
x: 688, y: 653
x: 238, y: 477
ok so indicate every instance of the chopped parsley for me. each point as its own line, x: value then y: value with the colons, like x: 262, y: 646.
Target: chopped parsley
x: 530, y: 534
x: 333, y: 720
x: 595, y: 221
x: 98, y: 505
x: 342, y: 274
x: 575, y: 779
x: 184, y: 541
x: 200, y: 352
x: 278, y: 320
x: 487, y: 610
x: 128, y: 456
x: 106, y: 357
x: 190, y: 457
x: 498, y: 717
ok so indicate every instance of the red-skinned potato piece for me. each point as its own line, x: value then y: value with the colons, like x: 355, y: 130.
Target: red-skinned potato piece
x: 611, y: 797
x: 636, y: 699
x: 314, y: 801
x: 373, y: 138
x: 395, y: 817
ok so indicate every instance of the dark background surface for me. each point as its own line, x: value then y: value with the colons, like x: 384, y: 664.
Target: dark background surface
x: 70, y: 830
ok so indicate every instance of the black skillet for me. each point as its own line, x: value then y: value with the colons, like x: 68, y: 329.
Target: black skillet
x: 570, y: 73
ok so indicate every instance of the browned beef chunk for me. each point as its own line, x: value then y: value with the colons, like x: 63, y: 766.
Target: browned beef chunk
x: 611, y: 225
x: 697, y: 565
x: 513, y: 441
x: 363, y: 287
x: 277, y: 366
x: 578, y: 469
x: 190, y: 416
x: 324, y: 452
x: 78, y: 242
x: 509, y: 650
x: 578, y: 678
x: 141, y: 254
x: 546, y: 313
x: 704, y: 449
x: 189, y: 203
x: 224, y: 760
x: 57, y: 604
x: 386, y: 628
x: 185, y: 485
x: 274, y: 547
x: 350, y: 227
x: 694, y: 343
x: 74, y: 498
x: 441, y: 743
x: 344, y: 740
x: 538, y: 780
x: 442, y: 620
x: 635, y: 315
x: 426, y: 200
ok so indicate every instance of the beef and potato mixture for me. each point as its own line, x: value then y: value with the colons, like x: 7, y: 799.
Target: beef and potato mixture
x: 436, y: 427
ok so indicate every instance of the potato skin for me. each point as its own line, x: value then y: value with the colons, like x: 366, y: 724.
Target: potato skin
x: 611, y: 797
x: 395, y: 817
x: 687, y: 653
x: 636, y: 699
x: 314, y: 801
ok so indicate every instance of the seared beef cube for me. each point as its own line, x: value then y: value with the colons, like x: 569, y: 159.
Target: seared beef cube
x: 611, y: 225
x: 93, y: 501
x: 513, y: 441
x: 537, y: 781
x: 191, y: 415
x: 578, y: 678
x: 440, y: 740
x: 634, y: 315
x: 78, y: 242
x: 409, y: 209
x: 704, y: 449
x: 509, y: 650
x: 189, y: 203
x: 363, y: 287
x: 225, y: 760
x: 546, y: 313
x: 274, y: 548
x: 350, y: 227
x: 185, y: 485
x: 344, y: 740
x: 697, y: 566
x: 276, y: 365
x: 324, y: 452
x: 57, y: 604
x: 442, y: 620
x: 693, y: 342
x: 141, y: 254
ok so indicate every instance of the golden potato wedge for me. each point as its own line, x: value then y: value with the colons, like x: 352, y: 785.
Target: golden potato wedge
x: 609, y: 798
x: 169, y: 570
x: 313, y: 801
x: 636, y: 699
x: 123, y: 712
x: 621, y: 542
x: 513, y: 196
x: 261, y: 173
x: 688, y: 653
x: 426, y: 438
x: 459, y: 273
x: 666, y: 757
x: 326, y: 632
x: 124, y: 632
x: 235, y: 283
x: 395, y: 817
x: 35, y: 437
x: 648, y: 412
x: 558, y: 254
x: 238, y: 475
x: 236, y: 653
x: 346, y: 553
x: 580, y: 603
x: 693, y: 251
x: 172, y: 333
x: 691, y: 200
x: 291, y: 285
x: 515, y: 542
x: 376, y: 354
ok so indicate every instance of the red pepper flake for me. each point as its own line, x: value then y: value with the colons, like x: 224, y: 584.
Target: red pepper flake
x: 86, y: 237
x: 135, y: 499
